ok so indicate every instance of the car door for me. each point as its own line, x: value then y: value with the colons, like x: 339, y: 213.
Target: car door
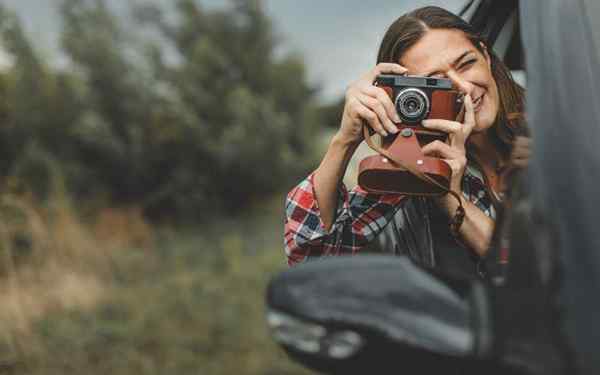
x: 561, y: 40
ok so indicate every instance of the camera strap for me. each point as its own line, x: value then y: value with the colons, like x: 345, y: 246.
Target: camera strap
x: 406, y: 142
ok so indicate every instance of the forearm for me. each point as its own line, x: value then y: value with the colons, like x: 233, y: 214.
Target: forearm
x: 328, y: 176
x: 476, y: 229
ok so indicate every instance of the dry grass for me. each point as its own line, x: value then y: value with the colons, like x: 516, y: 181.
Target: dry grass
x: 116, y: 296
x: 25, y: 300
x: 52, y: 262
x: 124, y: 227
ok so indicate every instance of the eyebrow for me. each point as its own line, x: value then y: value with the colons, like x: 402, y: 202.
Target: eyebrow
x: 456, y: 61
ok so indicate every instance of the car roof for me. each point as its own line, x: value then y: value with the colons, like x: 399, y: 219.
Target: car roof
x: 498, y: 22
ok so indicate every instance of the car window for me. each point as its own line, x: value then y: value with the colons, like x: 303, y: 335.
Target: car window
x: 499, y: 21
x: 592, y: 8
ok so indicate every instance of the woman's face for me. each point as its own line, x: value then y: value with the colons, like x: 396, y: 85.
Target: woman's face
x: 448, y: 53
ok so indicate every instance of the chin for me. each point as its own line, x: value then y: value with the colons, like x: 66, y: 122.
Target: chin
x: 483, y: 121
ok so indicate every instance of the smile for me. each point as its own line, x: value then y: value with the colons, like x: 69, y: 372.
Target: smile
x: 477, y: 103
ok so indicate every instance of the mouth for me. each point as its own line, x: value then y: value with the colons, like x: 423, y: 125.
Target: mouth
x: 477, y: 103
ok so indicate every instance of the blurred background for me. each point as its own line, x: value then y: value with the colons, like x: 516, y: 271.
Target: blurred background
x: 146, y: 148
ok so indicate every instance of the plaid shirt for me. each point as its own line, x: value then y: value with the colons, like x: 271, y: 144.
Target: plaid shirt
x: 359, y: 218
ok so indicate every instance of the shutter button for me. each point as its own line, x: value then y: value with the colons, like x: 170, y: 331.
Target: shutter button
x: 406, y: 132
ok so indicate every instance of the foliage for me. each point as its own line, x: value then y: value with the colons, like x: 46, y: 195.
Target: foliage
x: 188, y: 115
x: 191, y: 116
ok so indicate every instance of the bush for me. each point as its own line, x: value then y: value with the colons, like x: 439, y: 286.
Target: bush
x: 192, y: 115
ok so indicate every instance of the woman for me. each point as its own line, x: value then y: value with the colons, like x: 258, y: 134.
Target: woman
x: 322, y: 218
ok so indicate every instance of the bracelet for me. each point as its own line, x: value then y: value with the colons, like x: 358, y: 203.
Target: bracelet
x: 457, y: 220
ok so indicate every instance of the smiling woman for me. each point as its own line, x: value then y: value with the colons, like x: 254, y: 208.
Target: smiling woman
x: 323, y: 218
x: 449, y: 54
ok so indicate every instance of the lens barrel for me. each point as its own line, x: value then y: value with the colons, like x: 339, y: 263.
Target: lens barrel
x: 412, y: 105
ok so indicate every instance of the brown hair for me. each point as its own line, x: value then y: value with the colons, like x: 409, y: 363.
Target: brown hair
x: 409, y: 28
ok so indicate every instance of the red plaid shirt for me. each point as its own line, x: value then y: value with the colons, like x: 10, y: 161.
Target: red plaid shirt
x: 359, y: 218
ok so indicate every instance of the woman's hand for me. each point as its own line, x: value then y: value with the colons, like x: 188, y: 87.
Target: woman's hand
x: 519, y: 159
x: 477, y: 228
x: 521, y: 151
x: 368, y: 104
x: 453, y: 152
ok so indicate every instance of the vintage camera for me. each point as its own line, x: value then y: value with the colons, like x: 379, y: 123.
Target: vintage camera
x: 418, y: 98
x: 400, y: 166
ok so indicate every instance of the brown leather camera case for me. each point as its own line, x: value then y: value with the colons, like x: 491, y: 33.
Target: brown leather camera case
x: 400, y: 166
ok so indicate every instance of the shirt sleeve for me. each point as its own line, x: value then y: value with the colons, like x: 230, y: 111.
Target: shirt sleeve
x: 359, y: 217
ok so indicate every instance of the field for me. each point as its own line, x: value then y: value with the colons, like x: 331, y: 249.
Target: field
x: 109, y: 294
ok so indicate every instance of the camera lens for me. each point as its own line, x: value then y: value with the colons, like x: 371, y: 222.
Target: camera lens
x: 412, y: 105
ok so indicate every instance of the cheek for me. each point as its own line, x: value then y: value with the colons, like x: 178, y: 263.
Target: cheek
x: 483, y: 121
x: 493, y: 102
x: 487, y: 115
x: 479, y: 74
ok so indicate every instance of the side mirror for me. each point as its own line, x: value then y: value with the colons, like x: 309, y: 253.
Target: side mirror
x: 368, y: 314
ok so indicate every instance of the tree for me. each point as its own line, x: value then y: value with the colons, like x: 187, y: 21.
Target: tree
x: 192, y: 115
x: 251, y: 115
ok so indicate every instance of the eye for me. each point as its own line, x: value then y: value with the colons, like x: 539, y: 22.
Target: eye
x: 467, y: 63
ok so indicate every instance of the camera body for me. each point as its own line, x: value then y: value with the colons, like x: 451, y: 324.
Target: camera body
x: 400, y: 166
x: 418, y: 98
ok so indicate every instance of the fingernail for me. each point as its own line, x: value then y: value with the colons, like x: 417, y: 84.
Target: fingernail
x: 425, y: 123
x: 384, y: 133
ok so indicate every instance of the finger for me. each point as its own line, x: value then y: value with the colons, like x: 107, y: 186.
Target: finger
x: 521, y: 153
x: 441, y: 150
x: 447, y: 126
x: 376, y: 106
x: 461, y: 114
x: 383, y: 97
x: 521, y: 163
x: 469, y: 122
x: 390, y: 68
x: 370, y: 117
x: 455, y: 165
x: 523, y: 141
x: 383, y: 68
x: 521, y: 149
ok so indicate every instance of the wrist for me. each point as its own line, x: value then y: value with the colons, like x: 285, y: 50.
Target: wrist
x: 454, y: 206
x: 343, y: 143
x: 449, y: 203
x: 336, y: 159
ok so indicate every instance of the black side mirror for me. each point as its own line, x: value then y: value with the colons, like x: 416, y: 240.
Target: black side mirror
x: 376, y: 314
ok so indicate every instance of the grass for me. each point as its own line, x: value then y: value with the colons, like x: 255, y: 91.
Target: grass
x: 144, y: 301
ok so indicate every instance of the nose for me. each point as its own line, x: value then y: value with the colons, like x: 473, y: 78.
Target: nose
x: 460, y: 83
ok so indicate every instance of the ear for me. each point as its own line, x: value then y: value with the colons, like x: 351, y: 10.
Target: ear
x: 486, y: 54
